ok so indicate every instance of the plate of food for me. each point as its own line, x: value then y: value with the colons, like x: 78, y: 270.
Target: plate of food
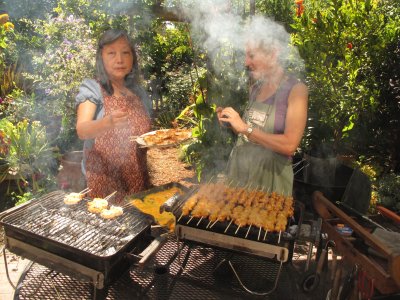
x: 164, y: 137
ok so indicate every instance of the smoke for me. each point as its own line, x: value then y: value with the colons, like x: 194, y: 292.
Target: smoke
x: 222, y: 33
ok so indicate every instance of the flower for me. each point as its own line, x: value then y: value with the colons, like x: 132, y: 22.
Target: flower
x: 349, y: 46
x: 8, y: 26
x: 299, y: 7
x: 4, y: 18
x: 4, y: 144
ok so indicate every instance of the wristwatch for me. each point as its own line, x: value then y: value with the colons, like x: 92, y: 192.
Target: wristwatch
x: 249, y: 129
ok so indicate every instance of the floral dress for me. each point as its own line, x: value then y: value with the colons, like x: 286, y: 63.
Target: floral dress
x: 114, y: 162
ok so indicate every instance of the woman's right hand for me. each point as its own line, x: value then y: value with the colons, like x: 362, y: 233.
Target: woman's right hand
x: 119, y: 118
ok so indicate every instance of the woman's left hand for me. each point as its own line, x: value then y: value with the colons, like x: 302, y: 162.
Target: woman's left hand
x: 231, y: 116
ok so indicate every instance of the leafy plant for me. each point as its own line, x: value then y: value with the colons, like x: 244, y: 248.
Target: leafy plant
x: 389, y: 192
x: 344, y: 44
x: 27, y: 154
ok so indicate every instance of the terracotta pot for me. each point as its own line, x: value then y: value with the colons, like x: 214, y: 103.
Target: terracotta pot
x: 70, y: 176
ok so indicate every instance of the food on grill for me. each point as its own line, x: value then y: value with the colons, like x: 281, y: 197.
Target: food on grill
x: 219, y: 202
x: 151, y: 205
x: 167, y: 137
x: 73, y: 198
x: 112, y: 212
x: 97, y: 205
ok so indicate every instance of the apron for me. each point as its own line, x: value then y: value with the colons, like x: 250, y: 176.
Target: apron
x: 257, y: 167
x: 114, y: 163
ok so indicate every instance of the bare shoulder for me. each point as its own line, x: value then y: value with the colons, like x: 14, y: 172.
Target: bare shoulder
x: 299, y: 92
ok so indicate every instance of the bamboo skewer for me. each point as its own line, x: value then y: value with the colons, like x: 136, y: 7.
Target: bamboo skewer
x: 199, y: 221
x: 226, y: 229
x: 189, y: 220
x: 214, y: 223
x: 85, y: 191
x: 279, y: 238
x: 208, y: 224
x: 265, y: 235
x: 237, y: 229
x: 180, y: 217
x: 259, y: 232
x: 109, y: 196
x: 248, y: 230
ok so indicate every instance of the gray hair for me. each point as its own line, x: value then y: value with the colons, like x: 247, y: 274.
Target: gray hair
x: 269, y: 35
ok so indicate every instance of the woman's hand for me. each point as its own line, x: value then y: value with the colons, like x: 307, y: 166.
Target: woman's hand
x: 89, y: 128
x: 231, y: 116
x: 119, y: 118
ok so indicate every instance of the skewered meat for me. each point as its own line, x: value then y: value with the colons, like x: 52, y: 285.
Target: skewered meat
x: 97, y: 205
x: 218, y: 202
x: 73, y: 198
x: 111, y: 213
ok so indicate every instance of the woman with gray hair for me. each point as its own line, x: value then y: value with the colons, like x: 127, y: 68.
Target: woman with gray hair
x: 274, y: 120
x: 110, y: 109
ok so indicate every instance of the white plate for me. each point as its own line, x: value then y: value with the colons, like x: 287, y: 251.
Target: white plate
x: 166, y: 142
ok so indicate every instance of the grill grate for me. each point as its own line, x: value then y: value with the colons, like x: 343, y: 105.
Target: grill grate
x: 75, y: 227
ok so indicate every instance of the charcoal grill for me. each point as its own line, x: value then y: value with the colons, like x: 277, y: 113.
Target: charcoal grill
x: 73, y: 241
x: 247, y: 239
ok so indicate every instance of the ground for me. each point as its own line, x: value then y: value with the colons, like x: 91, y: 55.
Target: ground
x: 165, y: 167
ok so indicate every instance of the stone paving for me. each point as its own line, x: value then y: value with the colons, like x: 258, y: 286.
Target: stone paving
x: 16, y: 266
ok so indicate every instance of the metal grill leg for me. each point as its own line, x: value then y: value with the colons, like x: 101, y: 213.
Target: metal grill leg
x: 257, y: 293
x: 6, y: 266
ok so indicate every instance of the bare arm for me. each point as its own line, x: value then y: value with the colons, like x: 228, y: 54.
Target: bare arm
x: 88, y: 128
x: 295, y: 123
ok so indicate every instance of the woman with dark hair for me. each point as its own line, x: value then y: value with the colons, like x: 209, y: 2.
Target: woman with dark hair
x: 110, y: 109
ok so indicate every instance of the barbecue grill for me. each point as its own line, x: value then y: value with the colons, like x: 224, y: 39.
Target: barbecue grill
x: 248, y: 240
x: 73, y: 241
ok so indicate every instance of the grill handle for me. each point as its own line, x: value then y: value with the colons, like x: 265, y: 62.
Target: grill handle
x: 171, y: 204
x: 147, y: 253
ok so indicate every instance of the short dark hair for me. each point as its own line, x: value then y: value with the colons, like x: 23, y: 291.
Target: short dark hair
x: 131, y: 79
